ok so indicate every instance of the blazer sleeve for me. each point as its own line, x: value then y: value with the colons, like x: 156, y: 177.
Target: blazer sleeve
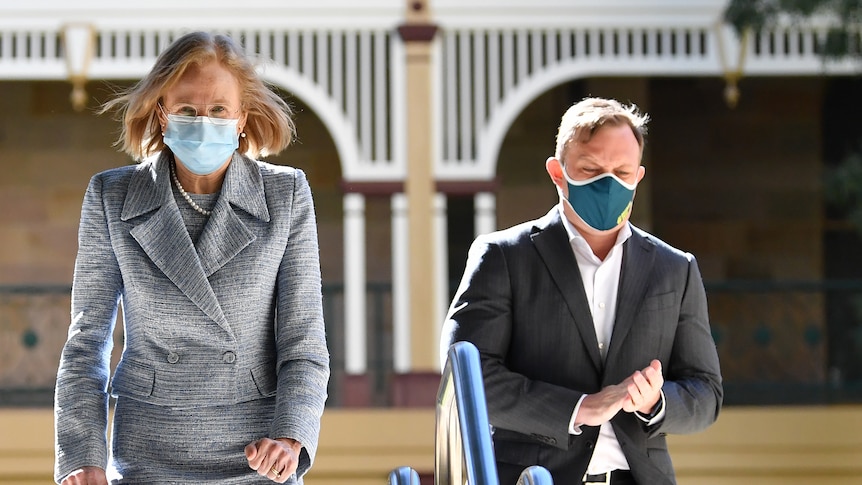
x: 303, y: 358
x: 693, y: 390
x: 81, y: 395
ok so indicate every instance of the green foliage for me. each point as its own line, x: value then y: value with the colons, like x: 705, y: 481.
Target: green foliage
x: 843, y: 187
x: 756, y: 14
x: 842, y: 37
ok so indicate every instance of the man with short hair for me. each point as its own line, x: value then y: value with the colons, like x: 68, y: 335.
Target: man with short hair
x: 593, y: 335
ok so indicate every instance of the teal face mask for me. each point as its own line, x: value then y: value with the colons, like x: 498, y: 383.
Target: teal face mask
x: 201, y: 143
x: 602, y: 202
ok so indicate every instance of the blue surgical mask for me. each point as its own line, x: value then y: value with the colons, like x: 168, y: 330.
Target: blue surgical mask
x: 602, y: 202
x: 201, y: 143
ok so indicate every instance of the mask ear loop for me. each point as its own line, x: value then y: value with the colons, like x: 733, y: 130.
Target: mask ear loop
x: 242, y: 130
x: 163, y: 113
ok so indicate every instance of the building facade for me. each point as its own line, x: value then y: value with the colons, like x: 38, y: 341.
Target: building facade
x: 424, y: 123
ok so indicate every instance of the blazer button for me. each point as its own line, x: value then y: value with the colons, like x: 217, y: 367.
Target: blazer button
x: 228, y: 357
x: 173, y: 358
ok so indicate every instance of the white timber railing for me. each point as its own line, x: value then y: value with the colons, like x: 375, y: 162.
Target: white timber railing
x: 493, y: 64
x: 345, y: 60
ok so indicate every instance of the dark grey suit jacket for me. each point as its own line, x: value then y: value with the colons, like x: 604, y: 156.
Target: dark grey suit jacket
x: 523, y: 305
x: 236, y: 317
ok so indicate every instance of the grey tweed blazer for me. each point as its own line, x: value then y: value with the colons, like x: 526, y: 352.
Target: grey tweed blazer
x: 522, y: 303
x: 234, y: 318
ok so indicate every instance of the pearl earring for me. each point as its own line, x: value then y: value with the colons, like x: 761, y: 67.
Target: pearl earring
x: 242, y: 134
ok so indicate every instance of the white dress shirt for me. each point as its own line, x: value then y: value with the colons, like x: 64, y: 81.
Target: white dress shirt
x: 601, y: 283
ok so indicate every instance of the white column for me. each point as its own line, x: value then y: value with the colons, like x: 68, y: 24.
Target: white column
x: 400, y: 286
x: 354, y: 284
x: 441, y: 267
x: 485, y: 213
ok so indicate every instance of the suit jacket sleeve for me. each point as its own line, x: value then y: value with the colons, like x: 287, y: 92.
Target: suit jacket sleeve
x: 303, y: 358
x: 482, y: 314
x: 81, y: 395
x: 692, y: 388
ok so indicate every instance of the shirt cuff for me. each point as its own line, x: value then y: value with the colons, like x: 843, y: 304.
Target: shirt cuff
x: 657, y: 413
x: 576, y: 430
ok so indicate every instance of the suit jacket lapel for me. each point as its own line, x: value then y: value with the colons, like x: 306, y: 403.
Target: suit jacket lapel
x: 552, y: 243
x: 225, y: 235
x: 638, y: 259
x: 164, y: 237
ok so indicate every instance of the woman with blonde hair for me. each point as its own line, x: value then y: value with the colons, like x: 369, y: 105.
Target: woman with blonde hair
x: 214, y: 256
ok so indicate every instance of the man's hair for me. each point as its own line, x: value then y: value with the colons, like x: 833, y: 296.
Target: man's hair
x: 584, y: 118
x: 269, y: 127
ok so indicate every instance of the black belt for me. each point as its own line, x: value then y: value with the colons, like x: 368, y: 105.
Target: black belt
x: 613, y: 477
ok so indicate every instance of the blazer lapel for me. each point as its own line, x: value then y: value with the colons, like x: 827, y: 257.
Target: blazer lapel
x: 164, y: 237
x: 225, y: 235
x: 552, y: 243
x: 638, y: 259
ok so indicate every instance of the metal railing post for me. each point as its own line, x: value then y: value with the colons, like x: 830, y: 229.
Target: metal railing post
x: 463, y: 439
x: 404, y: 475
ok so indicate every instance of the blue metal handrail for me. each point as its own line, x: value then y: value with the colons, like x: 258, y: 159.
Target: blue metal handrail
x: 463, y: 438
x: 404, y: 475
x: 535, y: 475
x: 463, y: 433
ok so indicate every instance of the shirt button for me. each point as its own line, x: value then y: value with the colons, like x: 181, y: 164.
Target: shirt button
x: 602, y: 305
x: 228, y: 357
x: 173, y: 358
x: 601, y: 345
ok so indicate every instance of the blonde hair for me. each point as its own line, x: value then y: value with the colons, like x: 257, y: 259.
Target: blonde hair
x: 581, y: 121
x: 269, y: 127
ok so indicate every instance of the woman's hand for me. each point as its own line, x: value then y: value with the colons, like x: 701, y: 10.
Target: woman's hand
x: 275, y: 459
x: 88, y: 475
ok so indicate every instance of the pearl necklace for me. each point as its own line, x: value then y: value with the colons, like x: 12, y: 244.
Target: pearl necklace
x: 185, y: 195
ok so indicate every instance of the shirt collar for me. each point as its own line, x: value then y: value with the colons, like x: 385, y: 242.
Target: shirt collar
x: 580, y: 244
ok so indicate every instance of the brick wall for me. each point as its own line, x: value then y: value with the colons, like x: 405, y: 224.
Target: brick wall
x: 741, y: 188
